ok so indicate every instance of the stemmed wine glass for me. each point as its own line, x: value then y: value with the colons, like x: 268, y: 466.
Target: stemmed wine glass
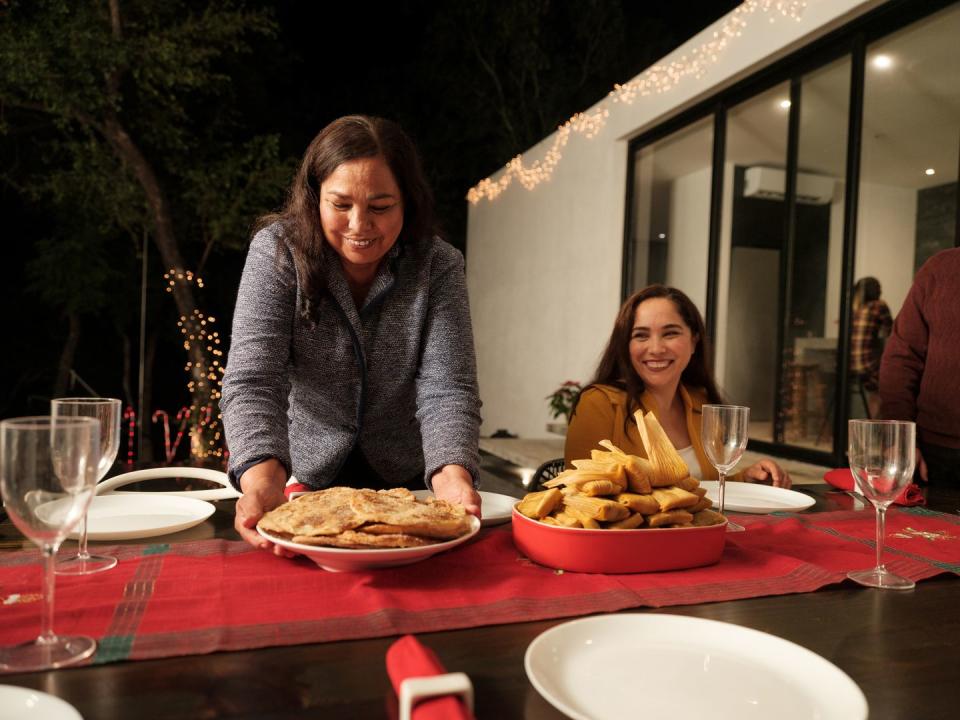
x: 724, y: 434
x: 882, y: 455
x: 48, y: 469
x: 107, y: 411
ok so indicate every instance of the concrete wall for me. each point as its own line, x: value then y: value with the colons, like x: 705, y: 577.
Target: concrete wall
x: 544, y: 266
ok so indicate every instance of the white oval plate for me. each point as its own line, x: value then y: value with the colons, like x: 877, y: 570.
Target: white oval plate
x: 226, y: 492
x: 617, y: 666
x: 496, y: 508
x: 754, y: 498
x: 127, y: 516
x: 354, y: 560
x: 17, y: 703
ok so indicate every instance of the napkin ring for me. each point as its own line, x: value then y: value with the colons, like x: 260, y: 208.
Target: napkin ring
x: 414, y: 689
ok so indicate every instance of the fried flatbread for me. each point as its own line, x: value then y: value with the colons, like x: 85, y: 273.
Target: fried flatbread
x: 356, y: 540
x: 439, y: 519
x: 325, y: 512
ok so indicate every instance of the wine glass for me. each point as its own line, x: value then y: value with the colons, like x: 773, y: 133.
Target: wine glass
x: 107, y: 411
x: 48, y: 470
x: 882, y: 455
x: 724, y: 434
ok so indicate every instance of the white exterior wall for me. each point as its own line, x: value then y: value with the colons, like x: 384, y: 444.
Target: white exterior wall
x: 689, y: 224
x: 886, y: 228
x: 544, y: 266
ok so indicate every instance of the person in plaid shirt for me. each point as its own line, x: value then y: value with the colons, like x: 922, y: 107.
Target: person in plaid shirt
x: 872, y: 323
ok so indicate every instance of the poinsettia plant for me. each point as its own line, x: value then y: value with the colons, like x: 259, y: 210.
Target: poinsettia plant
x: 563, y: 399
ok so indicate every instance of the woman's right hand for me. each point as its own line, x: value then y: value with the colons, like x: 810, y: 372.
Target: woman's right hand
x: 262, y: 487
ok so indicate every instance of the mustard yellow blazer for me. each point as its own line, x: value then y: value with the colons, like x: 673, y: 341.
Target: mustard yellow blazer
x: 601, y: 413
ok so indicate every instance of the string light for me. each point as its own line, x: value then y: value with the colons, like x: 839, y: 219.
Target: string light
x: 206, y: 377
x: 655, y: 80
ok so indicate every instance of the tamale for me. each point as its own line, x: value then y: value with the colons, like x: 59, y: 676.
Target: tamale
x: 638, y: 470
x: 707, y: 517
x: 645, y: 504
x: 671, y: 517
x: 672, y: 498
x: 538, y: 505
x: 628, y: 523
x: 596, y: 508
x: 704, y: 504
x: 600, y: 487
x: 668, y: 467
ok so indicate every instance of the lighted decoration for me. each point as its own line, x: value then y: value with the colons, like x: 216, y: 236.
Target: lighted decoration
x: 130, y: 415
x: 656, y: 79
x: 206, y: 375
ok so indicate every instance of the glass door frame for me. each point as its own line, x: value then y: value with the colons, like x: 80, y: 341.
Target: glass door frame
x: 848, y: 41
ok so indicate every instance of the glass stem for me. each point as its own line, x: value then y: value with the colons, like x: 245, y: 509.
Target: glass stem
x: 82, y: 549
x: 881, y: 523
x: 46, y: 616
x: 721, y: 484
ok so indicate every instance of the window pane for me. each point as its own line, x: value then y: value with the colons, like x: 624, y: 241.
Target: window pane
x: 908, y: 180
x: 670, y: 222
x: 810, y: 346
x: 751, y: 242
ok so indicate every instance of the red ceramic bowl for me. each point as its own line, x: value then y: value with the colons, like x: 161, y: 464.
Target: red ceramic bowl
x: 618, y: 551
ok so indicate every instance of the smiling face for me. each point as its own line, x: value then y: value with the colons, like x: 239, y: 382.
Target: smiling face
x: 661, y: 344
x: 361, y: 213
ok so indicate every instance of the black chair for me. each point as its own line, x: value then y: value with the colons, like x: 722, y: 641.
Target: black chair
x: 549, y: 470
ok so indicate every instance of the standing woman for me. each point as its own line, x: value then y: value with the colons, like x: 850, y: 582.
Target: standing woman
x: 655, y: 361
x: 871, y: 326
x: 352, y: 360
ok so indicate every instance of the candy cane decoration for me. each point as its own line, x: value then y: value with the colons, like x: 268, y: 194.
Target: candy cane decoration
x: 183, y: 415
x: 130, y: 415
x: 166, y: 431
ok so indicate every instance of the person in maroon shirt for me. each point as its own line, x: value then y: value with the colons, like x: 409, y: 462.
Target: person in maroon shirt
x: 920, y: 368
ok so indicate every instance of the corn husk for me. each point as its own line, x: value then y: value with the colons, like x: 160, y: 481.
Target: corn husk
x: 668, y: 467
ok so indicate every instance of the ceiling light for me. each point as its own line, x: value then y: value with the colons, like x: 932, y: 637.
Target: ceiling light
x: 785, y: 104
x: 930, y: 171
x: 882, y: 62
x: 663, y: 236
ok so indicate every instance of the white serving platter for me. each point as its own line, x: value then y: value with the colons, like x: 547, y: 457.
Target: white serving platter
x: 755, y: 498
x: 668, y: 666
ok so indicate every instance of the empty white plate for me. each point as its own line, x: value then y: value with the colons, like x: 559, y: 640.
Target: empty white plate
x: 138, y: 515
x: 684, y: 668
x: 753, y: 498
x: 18, y: 703
x: 496, y: 508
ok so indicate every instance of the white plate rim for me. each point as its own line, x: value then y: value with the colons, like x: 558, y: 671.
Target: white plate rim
x: 194, y: 512
x: 503, y: 503
x: 845, y: 690
x: 735, y: 491
x: 339, y: 559
x: 50, y: 707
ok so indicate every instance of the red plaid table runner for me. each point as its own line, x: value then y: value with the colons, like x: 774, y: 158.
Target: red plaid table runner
x: 165, y: 600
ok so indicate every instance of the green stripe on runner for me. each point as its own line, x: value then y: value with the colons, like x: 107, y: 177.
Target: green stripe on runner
x: 113, y: 648
x: 159, y: 549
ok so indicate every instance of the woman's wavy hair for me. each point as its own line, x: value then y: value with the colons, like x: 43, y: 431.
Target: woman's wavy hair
x: 615, y: 367
x: 348, y: 138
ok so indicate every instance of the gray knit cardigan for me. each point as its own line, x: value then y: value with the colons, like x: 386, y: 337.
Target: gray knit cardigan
x: 398, y: 378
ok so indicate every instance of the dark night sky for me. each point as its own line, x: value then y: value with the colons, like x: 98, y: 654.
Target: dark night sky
x: 404, y: 60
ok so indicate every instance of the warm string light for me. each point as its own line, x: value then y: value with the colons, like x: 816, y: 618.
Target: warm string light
x: 204, y: 384
x: 130, y: 415
x: 656, y: 79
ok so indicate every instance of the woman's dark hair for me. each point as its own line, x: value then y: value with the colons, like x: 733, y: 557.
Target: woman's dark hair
x: 348, y: 138
x: 865, y: 290
x: 617, y: 370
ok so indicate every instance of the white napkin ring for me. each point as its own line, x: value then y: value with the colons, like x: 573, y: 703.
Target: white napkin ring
x: 415, y: 689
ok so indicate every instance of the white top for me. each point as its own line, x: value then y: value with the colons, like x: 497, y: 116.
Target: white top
x: 690, y: 458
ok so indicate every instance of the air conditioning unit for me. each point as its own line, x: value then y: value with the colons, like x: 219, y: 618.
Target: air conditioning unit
x: 769, y: 183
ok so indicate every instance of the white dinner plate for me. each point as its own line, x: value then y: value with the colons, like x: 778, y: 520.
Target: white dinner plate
x: 18, y: 703
x: 225, y: 492
x: 355, y: 560
x: 753, y: 498
x: 127, y: 516
x: 496, y: 509
x: 684, y: 668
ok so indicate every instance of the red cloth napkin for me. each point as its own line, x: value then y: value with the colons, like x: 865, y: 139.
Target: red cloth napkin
x: 842, y: 478
x: 407, y: 658
x: 295, y: 487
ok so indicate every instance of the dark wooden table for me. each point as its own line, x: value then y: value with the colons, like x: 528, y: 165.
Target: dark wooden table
x: 901, y: 648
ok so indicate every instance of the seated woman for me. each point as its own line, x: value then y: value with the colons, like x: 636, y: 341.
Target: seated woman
x: 655, y: 361
x: 352, y: 358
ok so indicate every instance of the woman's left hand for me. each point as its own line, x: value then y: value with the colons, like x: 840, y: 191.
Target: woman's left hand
x: 454, y: 484
x: 768, y: 471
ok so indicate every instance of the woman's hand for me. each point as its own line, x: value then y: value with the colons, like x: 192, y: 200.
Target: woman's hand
x: 454, y: 484
x: 768, y: 471
x: 262, y: 487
